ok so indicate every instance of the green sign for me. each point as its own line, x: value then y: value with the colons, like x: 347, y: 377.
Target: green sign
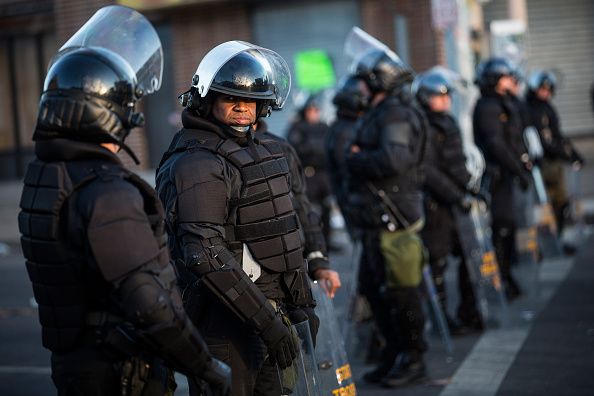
x: 314, y: 70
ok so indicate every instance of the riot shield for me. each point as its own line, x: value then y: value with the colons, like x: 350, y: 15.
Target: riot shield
x: 331, y: 357
x: 355, y: 314
x: 544, y: 218
x: 302, y: 377
x: 574, y: 235
x: 437, y: 316
x: 523, y: 204
x: 480, y: 260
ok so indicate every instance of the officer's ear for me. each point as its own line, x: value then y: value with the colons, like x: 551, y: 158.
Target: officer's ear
x: 264, y: 109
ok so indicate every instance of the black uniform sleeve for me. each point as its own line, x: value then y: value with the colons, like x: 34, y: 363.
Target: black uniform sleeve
x: 144, y: 283
x: 487, y: 125
x: 546, y: 121
x: 395, y: 153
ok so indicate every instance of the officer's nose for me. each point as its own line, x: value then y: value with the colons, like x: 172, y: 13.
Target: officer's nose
x: 240, y: 106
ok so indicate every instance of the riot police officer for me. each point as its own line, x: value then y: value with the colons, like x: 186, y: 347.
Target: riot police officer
x: 445, y: 186
x: 92, y: 231
x: 557, y: 149
x: 307, y: 135
x: 384, y: 162
x: 351, y: 100
x: 314, y: 249
x: 232, y: 227
x: 498, y: 131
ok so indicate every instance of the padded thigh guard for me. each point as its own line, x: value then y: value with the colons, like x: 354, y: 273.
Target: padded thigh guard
x: 221, y: 273
x: 150, y: 298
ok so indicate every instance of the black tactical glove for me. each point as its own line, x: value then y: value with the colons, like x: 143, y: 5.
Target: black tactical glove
x: 279, y: 341
x: 301, y: 314
x: 217, y: 375
x: 465, y: 204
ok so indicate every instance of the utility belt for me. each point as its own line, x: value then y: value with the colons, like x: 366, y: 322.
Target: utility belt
x: 141, y: 373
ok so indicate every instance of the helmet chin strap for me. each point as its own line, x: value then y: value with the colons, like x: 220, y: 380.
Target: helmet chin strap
x: 242, y: 129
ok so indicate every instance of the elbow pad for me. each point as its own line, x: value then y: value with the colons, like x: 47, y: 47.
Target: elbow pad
x: 152, y: 302
x: 223, y: 276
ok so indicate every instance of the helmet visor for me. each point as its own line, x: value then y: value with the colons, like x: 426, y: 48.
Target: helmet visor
x: 127, y: 33
x: 366, y: 50
x: 272, y: 63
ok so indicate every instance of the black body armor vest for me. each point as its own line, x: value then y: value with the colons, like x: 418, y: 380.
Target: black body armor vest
x: 263, y: 216
x: 66, y: 282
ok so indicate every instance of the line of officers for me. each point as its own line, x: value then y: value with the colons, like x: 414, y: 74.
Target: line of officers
x: 206, y: 274
x: 396, y: 160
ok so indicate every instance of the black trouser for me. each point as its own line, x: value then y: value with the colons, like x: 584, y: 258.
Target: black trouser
x: 398, y: 314
x: 85, y: 372
x: 441, y: 238
x: 88, y: 371
x: 504, y: 237
x: 234, y: 343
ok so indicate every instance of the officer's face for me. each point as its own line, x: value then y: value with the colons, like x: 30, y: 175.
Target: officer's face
x: 506, y: 84
x: 544, y: 93
x: 234, y: 110
x: 440, y: 103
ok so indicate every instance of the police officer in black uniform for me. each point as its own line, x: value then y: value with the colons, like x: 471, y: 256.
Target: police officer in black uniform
x: 446, y: 181
x: 387, y: 153
x: 314, y: 248
x: 498, y: 131
x: 93, y: 235
x: 351, y: 101
x: 232, y: 226
x: 557, y: 149
x: 307, y: 134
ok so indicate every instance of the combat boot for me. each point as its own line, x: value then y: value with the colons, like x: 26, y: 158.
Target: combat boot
x: 409, y: 368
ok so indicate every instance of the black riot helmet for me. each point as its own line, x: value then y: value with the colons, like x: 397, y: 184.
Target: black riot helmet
x: 431, y: 83
x: 542, y: 78
x: 382, y: 70
x: 89, y: 94
x: 98, y: 75
x: 240, y: 69
x: 350, y: 95
x: 489, y: 72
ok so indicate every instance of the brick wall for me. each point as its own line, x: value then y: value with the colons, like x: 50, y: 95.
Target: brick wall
x: 197, y: 29
x: 377, y: 17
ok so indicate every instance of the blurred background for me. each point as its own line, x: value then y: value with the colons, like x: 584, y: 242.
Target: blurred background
x: 537, y: 34
x: 543, y: 34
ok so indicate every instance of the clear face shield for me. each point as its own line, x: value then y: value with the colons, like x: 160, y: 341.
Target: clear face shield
x: 274, y: 65
x: 128, y: 34
x: 360, y: 43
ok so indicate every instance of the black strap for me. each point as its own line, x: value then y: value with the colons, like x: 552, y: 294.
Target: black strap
x: 260, y: 171
x: 390, y: 205
x: 250, y: 199
x: 268, y: 228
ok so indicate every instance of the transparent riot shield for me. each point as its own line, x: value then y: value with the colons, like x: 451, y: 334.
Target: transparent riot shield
x: 523, y: 204
x: 359, y: 42
x: 354, y: 313
x: 128, y: 34
x: 437, y: 314
x: 479, y: 254
x: 302, y: 377
x: 544, y: 218
x: 480, y: 260
x: 335, y: 371
x: 575, y: 233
